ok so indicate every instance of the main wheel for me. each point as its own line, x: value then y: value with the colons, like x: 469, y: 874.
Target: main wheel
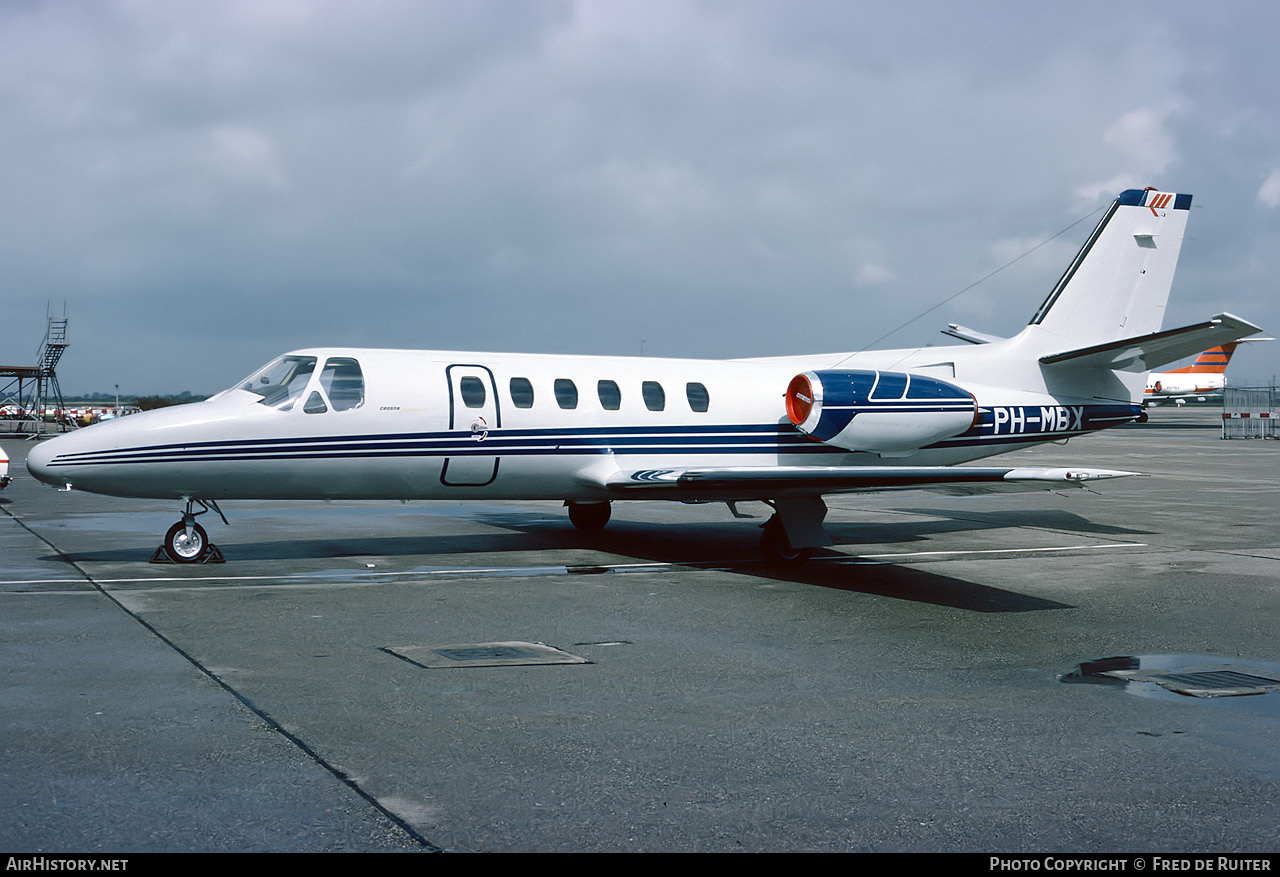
x: 777, y: 547
x: 589, y: 516
x: 183, y: 548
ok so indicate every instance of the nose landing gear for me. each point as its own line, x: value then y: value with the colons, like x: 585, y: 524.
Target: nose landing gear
x: 187, y: 541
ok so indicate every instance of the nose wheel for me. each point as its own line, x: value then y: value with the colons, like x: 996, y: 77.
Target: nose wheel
x: 187, y: 541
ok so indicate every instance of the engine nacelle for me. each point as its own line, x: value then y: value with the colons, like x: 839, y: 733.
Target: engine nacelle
x: 877, y: 411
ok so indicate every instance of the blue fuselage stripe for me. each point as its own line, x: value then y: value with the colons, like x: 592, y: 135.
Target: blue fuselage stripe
x: 766, y: 439
x: 998, y: 426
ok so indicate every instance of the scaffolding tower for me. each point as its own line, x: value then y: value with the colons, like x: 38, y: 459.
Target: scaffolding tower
x: 33, y: 390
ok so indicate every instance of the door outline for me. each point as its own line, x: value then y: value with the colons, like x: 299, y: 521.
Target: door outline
x: 472, y: 470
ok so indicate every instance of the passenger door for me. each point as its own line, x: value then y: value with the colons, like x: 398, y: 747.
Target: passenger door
x: 474, y: 415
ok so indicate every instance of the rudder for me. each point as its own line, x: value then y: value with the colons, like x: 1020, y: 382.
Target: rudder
x: 1118, y: 284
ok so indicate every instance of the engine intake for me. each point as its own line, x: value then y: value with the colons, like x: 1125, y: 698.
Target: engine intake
x: 878, y: 411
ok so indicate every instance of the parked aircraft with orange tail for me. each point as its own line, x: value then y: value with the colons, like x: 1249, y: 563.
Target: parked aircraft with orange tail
x: 1203, y: 379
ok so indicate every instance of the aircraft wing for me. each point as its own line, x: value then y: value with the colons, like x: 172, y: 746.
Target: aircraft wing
x: 1150, y: 352
x: 749, y: 482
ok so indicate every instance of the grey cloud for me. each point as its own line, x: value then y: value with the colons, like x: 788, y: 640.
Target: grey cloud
x: 207, y: 185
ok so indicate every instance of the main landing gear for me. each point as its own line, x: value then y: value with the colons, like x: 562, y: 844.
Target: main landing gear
x: 789, y: 544
x: 795, y: 529
x: 187, y: 541
x: 589, y: 516
x: 776, y: 547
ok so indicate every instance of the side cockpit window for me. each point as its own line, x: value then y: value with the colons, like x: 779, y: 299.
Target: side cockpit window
x: 343, y: 382
x: 281, y: 383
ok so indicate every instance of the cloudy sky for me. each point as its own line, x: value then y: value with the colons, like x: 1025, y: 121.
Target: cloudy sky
x: 208, y: 184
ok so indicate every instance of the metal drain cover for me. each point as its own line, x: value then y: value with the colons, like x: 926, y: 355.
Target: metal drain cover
x: 501, y: 654
x: 1205, y: 680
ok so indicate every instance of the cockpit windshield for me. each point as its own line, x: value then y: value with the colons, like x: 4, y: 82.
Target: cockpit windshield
x: 280, y: 383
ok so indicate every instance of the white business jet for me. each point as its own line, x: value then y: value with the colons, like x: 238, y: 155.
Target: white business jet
x: 404, y: 424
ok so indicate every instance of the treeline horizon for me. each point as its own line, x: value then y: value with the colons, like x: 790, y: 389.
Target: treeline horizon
x: 146, y: 402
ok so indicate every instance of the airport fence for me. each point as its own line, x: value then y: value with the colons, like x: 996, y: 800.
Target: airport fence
x: 1251, y: 412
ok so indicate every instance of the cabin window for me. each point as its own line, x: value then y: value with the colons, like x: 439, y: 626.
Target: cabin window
x: 566, y: 393
x: 697, y: 395
x: 521, y: 393
x: 315, y: 404
x: 343, y: 383
x: 655, y: 399
x: 471, y: 389
x: 281, y: 382
x: 610, y: 395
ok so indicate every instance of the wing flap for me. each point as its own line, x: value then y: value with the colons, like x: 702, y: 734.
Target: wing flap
x: 749, y: 482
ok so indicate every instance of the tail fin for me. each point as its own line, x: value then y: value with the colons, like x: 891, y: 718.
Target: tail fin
x: 1211, y: 362
x: 1118, y: 284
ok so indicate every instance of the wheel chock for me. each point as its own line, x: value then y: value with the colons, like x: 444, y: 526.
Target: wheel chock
x: 211, y: 554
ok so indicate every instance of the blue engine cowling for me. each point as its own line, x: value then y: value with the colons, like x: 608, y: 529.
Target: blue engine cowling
x: 878, y: 411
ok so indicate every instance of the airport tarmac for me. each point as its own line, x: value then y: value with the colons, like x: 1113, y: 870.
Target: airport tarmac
x: 901, y: 692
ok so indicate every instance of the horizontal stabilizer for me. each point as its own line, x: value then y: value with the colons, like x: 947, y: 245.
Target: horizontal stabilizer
x: 973, y: 336
x: 1147, y: 352
x: 743, y: 482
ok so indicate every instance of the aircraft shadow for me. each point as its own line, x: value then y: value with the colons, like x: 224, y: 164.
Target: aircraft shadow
x: 938, y: 521
x: 739, y: 549
x: 732, y: 546
x: 907, y: 583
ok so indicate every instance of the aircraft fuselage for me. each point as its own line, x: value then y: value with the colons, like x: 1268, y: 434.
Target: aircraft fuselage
x: 433, y: 425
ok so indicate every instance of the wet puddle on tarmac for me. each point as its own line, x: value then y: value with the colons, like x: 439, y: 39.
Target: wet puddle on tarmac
x: 1252, y: 685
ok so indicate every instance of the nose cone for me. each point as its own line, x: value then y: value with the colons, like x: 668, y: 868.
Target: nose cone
x: 68, y: 460
x: 38, y: 459
x: 138, y: 455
